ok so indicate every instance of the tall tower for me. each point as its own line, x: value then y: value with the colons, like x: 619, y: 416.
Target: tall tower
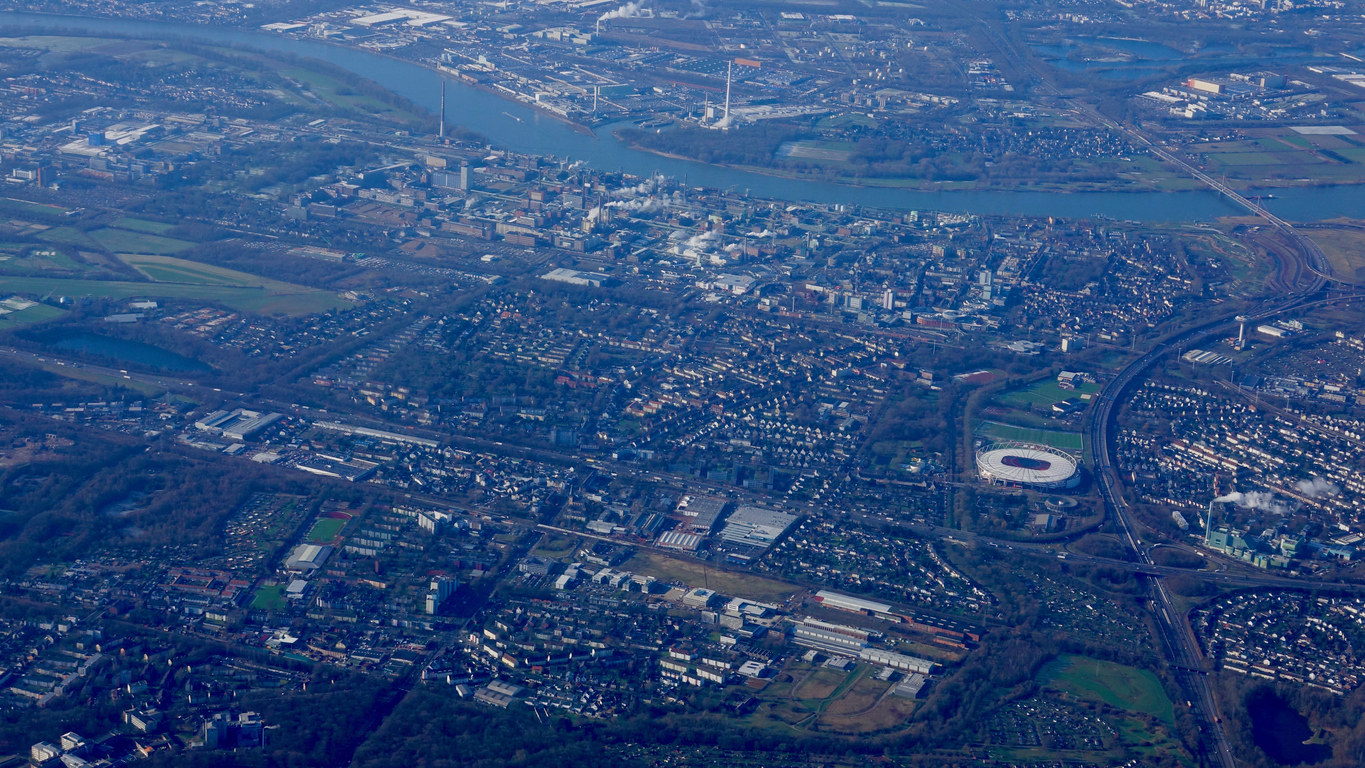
x: 1241, y: 331
x: 443, y: 108
x: 729, y: 69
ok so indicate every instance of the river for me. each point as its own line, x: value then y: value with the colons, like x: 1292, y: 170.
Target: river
x: 523, y: 129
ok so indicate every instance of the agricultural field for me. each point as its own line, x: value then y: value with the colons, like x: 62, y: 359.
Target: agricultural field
x: 1067, y: 441
x: 39, y: 260
x: 1134, y: 690
x: 1280, y: 154
x: 35, y: 314
x: 68, y: 236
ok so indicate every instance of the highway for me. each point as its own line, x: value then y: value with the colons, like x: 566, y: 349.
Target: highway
x: 1182, y: 649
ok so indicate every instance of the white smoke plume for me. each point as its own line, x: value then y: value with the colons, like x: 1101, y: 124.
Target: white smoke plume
x: 1255, y: 500
x: 627, y: 11
x: 648, y: 205
x: 699, y: 10
x: 703, y: 240
x: 1317, y: 488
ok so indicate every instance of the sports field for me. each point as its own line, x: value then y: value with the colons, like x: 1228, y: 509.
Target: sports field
x: 246, y: 299
x: 1045, y: 392
x: 166, y: 269
x: 325, y: 530
x: 1067, y: 441
x: 1135, y: 690
x: 269, y: 598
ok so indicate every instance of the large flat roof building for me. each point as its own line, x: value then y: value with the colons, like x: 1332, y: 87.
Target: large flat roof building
x: 756, y: 526
x: 307, y: 557
x: 847, y: 603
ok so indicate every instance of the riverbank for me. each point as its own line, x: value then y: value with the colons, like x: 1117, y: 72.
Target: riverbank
x: 520, y: 128
x: 914, y: 185
x: 1170, y: 183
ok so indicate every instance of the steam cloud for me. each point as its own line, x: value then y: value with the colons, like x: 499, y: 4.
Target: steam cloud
x: 1317, y: 488
x: 699, y: 10
x: 627, y: 11
x: 1255, y: 500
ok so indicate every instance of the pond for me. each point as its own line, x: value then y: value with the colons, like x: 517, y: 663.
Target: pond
x: 126, y: 351
x: 1283, y: 733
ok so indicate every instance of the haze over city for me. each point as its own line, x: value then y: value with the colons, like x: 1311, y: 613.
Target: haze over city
x: 771, y: 383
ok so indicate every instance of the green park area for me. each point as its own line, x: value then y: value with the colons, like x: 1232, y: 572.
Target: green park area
x: 1128, y: 688
x: 325, y: 530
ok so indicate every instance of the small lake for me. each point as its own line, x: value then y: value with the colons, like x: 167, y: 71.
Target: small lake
x: 127, y: 352
x: 1280, y: 731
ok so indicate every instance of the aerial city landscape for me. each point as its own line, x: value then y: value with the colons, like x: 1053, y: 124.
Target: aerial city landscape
x: 673, y: 382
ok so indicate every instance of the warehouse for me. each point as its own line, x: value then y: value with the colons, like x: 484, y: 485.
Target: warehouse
x: 756, y: 527
x: 827, y: 640
x: 852, y: 604
x: 897, y: 661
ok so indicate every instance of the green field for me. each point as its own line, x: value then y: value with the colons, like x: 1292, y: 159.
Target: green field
x: 24, y: 207
x: 269, y: 598
x: 325, y: 530
x: 1045, y: 392
x: 142, y: 225
x: 246, y: 299
x: 124, y: 241
x: 1067, y: 441
x: 165, y: 269
x: 68, y: 235
x: 29, y: 316
x: 1135, y: 690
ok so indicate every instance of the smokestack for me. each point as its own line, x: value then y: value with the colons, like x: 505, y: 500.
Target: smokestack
x: 443, y: 108
x: 728, y: 70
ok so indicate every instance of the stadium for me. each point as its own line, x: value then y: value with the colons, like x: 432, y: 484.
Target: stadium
x: 1028, y: 465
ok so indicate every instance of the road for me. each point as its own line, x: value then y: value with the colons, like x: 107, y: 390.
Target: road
x: 167, y: 382
x: 1187, y: 662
